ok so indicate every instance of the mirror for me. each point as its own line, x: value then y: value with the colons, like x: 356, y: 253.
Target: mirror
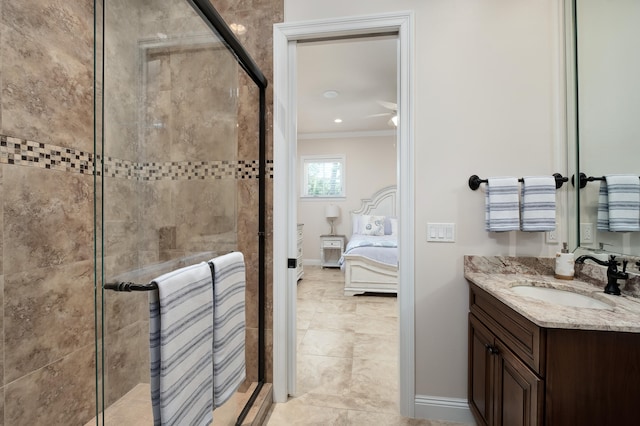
x: 606, y: 55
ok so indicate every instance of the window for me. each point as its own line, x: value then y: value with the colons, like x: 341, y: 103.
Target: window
x: 323, y: 176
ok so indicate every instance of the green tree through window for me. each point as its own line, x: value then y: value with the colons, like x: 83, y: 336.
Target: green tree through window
x: 323, y: 177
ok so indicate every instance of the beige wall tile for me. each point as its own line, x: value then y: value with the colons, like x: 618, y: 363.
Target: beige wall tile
x: 123, y: 361
x: 62, y: 393
x: 2, y: 351
x: 2, y: 166
x: 47, y: 71
x: 48, y: 218
x: 48, y: 315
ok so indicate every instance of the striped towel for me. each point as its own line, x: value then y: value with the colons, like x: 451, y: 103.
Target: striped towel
x: 180, y: 341
x: 229, y: 326
x: 502, y: 211
x: 538, y: 207
x: 602, y: 223
x: 623, y: 199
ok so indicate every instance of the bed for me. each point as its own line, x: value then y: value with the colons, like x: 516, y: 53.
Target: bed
x: 370, y: 260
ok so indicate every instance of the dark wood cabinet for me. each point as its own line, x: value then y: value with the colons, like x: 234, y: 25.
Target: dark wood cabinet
x: 481, y: 366
x: 502, y: 389
x: 518, y: 394
x: 523, y: 374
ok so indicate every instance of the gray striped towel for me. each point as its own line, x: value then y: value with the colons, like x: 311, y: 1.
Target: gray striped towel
x: 180, y: 342
x: 619, y: 203
x: 502, y: 210
x: 229, y: 326
x: 538, y: 205
x: 603, y: 207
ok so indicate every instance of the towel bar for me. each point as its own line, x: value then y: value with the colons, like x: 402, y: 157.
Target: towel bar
x: 128, y: 286
x: 475, y: 181
x: 584, y: 180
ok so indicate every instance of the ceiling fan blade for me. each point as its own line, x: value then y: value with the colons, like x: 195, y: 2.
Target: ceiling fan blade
x: 389, y: 105
x: 382, y: 114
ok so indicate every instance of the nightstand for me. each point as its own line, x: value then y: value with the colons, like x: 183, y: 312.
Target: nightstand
x: 331, y: 249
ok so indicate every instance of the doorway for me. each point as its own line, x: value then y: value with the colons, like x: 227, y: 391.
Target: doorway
x: 286, y: 37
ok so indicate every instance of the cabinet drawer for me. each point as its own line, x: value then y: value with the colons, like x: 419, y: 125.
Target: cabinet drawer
x: 332, y: 244
x: 522, y: 336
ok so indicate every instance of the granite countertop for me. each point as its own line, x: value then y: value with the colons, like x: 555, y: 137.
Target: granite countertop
x: 498, y: 274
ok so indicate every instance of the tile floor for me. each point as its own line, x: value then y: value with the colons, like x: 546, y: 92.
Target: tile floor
x: 347, y: 358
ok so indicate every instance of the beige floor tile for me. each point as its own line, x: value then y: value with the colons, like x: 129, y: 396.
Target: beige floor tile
x: 370, y: 324
x: 350, y: 401
x: 334, y: 321
x: 372, y: 418
x: 337, y: 306
x: 304, y: 318
x: 334, y: 343
x: 376, y: 346
x: 294, y: 413
x: 300, y: 336
x: 381, y: 308
x: 375, y: 379
x: 311, y: 292
x: 307, y: 305
x: 323, y: 374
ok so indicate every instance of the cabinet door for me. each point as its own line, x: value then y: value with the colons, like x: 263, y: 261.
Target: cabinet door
x: 481, y: 366
x: 518, y: 394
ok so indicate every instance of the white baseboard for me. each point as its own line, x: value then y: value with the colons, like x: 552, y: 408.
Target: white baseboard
x: 447, y: 409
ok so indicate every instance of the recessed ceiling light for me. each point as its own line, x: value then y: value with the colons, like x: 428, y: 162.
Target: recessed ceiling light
x: 238, y: 28
x: 338, y: 120
x: 329, y: 94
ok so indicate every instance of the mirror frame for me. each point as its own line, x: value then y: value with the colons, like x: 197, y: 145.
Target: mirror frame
x: 573, y: 218
x: 573, y: 149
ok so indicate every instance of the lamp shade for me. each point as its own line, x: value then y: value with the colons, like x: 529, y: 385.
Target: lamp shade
x: 332, y: 211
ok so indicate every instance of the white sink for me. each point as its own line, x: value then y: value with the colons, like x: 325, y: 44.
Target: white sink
x: 560, y: 297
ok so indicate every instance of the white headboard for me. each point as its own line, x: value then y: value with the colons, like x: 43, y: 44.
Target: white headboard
x: 382, y: 203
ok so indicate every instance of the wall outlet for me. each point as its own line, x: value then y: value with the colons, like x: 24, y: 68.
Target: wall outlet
x: 587, y: 232
x: 551, y: 237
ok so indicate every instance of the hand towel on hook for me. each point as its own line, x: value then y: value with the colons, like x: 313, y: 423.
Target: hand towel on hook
x: 181, y: 346
x: 502, y: 211
x: 538, y: 205
x: 619, y: 203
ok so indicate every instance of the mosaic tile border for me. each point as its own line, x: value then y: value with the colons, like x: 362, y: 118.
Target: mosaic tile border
x: 23, y: 152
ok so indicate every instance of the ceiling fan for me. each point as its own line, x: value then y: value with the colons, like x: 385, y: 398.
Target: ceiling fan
x: 393, y: 121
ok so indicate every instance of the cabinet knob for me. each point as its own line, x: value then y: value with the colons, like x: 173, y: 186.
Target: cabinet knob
x: 491, y: 349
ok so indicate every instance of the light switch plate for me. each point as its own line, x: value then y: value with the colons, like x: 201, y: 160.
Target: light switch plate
x: 441, y: 232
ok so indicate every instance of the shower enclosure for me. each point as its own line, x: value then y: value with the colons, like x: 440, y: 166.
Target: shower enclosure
x: 180, y: 163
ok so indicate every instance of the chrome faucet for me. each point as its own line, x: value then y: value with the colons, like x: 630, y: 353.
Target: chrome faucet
x: 613, y: 275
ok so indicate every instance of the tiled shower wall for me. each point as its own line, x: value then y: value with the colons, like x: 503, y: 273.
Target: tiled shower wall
x: 47, y: 365
x: 46, y: 108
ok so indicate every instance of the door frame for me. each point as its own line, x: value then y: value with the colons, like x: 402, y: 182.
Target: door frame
x: 285, y: 38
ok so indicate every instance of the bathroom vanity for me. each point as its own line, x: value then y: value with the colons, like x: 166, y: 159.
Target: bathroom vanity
x: 538, y: 359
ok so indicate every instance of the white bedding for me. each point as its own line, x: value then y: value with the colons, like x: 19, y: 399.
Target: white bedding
x: 383, y: 248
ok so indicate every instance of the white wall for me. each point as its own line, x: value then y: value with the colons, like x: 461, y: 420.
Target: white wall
x: 488, y: 103
x: 370, y: 166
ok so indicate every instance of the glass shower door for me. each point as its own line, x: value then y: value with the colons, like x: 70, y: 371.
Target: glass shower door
x: 178, y: 163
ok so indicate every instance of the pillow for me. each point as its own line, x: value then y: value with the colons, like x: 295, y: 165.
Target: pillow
x: 355, y: 223
x: 372, y: 225
x: 390, y: 225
